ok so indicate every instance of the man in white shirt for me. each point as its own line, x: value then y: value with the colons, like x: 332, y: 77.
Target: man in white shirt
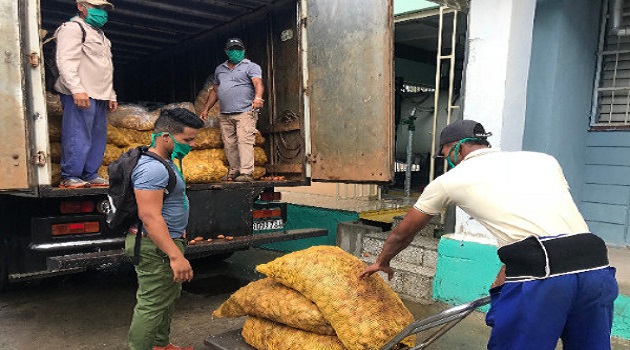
x: 556, y: 281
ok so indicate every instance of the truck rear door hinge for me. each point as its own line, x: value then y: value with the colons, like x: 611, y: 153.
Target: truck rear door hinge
x: 40, y: 159
x: 311, y: 159
x: 33, y: 59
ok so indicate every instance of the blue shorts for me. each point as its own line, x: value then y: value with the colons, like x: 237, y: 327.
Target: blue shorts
x: 534, y: 315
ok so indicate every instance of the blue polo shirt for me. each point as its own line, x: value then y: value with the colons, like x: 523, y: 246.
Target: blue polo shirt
x: 150, y: 174
x: 236, y: 90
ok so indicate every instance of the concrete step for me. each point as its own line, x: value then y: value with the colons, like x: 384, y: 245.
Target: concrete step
x: 414, y: 267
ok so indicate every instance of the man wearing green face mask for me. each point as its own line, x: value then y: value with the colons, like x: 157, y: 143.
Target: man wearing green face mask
x: 239, y: 87
x: 85, y: 84
x: 162, y: 266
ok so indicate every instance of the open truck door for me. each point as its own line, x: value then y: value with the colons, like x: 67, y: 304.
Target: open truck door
x: 349, y: 89
x: 14, y: 160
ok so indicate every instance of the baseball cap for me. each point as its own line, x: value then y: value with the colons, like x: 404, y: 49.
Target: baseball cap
x: 462, y: 129
x: 234, y: 42
x: 107, y: 4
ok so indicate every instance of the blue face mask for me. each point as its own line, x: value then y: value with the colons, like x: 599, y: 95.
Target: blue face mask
x: 96, y: 17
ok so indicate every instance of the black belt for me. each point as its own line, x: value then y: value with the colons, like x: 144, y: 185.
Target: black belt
x: 537, y: 258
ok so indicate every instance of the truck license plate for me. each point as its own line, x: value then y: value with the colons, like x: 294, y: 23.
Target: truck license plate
x: 268, y: 225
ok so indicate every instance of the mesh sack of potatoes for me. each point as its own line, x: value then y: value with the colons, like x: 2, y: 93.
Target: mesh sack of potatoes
x: 267, y: 335
x: 199, y: 170
x: 273, y: 301
x: 132, y: 116
x: 117, y: 136
x: 260, y: 140
x: 365, y: 313
x: 55, y: 174
x: 186, y: 105
x: 260, y: 157
x: 137, y: 137
x: 259, y: 171
x: 208, y: 154
x: 208, y: 138
x: 54, y: 130
x: 202, y: 98
x: 55, y: 152
x: 102, y: 172
x: 111, y: 154
x: 54, y: 109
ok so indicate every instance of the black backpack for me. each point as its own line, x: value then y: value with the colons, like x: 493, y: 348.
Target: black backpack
x: 50, y: 58
x: 123, y: 210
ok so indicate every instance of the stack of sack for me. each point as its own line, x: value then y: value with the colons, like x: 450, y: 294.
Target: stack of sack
x: 132, y: 125
x: 313, y: 299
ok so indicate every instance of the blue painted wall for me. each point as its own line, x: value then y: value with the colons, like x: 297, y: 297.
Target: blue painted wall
x: 560, y: 84
x: 606, y: 190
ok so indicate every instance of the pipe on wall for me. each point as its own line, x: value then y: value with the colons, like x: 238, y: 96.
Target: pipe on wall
x: 616, y: 7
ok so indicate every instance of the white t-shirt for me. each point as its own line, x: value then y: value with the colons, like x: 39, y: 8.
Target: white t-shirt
x: 513, y: 194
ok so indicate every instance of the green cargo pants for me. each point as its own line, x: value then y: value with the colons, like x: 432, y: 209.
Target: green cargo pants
x: 155, y: 299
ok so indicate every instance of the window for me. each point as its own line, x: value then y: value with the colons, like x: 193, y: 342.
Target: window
x: 611, y: 98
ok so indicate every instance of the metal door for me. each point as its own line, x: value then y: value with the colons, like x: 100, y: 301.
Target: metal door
x: 349, y: 88
x: 13, y: 139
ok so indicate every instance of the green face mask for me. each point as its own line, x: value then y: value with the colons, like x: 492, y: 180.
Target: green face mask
x: 455, y: 151
x: 235, y: 56
x: 96, y: 17
x: 180, y: 150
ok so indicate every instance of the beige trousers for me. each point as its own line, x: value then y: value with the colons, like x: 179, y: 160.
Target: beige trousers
x: 238, y: 132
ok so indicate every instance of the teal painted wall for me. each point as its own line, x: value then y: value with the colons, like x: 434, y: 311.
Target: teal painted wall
x: 621, y: 321
x: 415, y: 72
x: 465, y: 272
x: 404, y: 6
x: 299, y: 216
x: 560, y: 84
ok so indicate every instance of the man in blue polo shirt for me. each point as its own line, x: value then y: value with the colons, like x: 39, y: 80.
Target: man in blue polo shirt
x: 238, y: 85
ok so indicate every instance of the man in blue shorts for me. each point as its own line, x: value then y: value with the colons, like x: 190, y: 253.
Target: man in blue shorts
x: 239, y: 87
x: 162, y: 267
x: 556, y: 282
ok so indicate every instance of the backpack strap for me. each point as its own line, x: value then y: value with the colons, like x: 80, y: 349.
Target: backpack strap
x: 170, y: 187
x: 172, y: 180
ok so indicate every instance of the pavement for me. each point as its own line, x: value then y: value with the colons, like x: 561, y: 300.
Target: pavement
x: 92, y: 310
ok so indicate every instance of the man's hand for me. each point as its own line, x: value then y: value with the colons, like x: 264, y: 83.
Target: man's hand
x: 370, y: 270
x: 82, y: 100
x: 112, y: 106
x: 257, y: 103
x: 182, y: 271
x: 204, y: 115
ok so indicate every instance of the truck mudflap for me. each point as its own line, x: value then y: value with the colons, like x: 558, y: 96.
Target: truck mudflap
x: 73, y: 263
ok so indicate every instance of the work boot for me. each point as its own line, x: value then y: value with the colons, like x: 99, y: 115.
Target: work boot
x: 73, y: 182
x: 244, y: 178
x: 98, y: 182
x: 172, y: 347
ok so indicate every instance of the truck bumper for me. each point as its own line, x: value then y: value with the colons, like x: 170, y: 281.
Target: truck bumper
x: 72, y: 263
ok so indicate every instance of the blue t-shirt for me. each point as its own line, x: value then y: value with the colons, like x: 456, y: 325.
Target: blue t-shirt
x: 236, y: 90
x: 150, y: 174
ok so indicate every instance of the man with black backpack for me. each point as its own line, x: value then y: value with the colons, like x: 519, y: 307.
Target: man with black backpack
x: 85, y: 83
x: 162, y: 267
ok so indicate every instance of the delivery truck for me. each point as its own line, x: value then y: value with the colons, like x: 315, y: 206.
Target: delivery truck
x: 327, y: 70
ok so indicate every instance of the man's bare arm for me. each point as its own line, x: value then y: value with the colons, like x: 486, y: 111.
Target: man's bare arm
x: 398, y: 239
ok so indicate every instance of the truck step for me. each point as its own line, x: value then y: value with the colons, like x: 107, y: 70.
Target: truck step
x: 84, y: 260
